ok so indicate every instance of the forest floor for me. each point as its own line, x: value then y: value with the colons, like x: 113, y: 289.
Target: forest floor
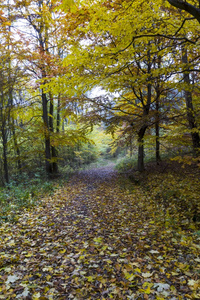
x: 102, y: 236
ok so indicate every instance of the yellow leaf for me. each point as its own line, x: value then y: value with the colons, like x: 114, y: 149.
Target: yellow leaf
x: 62, y: 251
x: 29, y: 254
x: 90, y: 278
x: 46, y: 289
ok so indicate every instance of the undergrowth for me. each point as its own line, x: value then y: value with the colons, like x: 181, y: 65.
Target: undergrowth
x: 126, y: 163
x: 171, y: 188
x: 24, y: 194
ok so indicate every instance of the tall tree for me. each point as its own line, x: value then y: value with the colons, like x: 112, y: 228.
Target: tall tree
x: 11, y: 76
x: 40, y: 21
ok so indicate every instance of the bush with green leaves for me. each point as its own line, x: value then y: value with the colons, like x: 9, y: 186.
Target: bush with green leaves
x: 16, y: 196
x: 126, y: 163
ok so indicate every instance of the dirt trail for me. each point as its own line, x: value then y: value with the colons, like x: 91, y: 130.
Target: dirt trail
x: 91, y: 193
x: 99, y: 175
x: 94, y: 239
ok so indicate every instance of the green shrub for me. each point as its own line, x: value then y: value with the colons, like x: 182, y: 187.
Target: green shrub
x: 126, y: 163
x: 16, y: 196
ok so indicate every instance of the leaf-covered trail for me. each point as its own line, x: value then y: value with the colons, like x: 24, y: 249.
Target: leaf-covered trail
x: 97, y: 239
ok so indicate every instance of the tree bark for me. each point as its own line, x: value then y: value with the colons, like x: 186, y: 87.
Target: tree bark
x: 141, y: 148
x: 58, y: 116
x: 157, y: 129
x: 46, y: 134
x: 51, y: 128
x: 157, y: 123
x: 142, y: 130
x: 5, y: 158
x: 19, y: 164
x: 189, y: 105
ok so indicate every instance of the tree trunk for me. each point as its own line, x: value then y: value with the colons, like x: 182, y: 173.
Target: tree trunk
x: 42, y: 32
x: 157, y: 129
x: 5, y: 158
x: 46, y: 134
x: 140, y: 156
x: 142, y: 130
x: 17, y: 150
x: 141, y: 148
x: 51, y: 128
x: 157, y: 121
x: 189, y: 106
x: 58, y: 116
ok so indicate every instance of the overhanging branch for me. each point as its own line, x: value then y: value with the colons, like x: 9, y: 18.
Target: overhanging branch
x: 191, y: 9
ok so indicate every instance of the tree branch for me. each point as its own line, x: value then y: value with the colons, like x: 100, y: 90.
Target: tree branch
x: 191, y: 9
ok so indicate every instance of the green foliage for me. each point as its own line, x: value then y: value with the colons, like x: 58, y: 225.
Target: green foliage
x: 85, y: 153
x: 102, y: 141
x: 126, y: 163
x: 16, y: 196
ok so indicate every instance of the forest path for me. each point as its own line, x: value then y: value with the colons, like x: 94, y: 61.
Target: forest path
x: 96, y: 239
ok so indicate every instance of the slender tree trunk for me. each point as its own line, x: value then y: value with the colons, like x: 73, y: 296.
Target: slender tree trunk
x: 140, y: 155
x: 141, y: 148
x: 5, y: 118
x: 51, y: 128
x: 11, y: 103
x: 157, y: 123
x: 142, y: 130
x: 17, y: 149
x: 5, y: 158
x: 146, y: 108
x: 157, y: 128
x: 58, y: 116
x: 189, y: 106
x: 43, y: 43
x: 46, y: 134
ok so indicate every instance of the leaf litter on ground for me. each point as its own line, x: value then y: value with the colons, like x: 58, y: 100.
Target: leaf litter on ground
x: 99, y: 237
